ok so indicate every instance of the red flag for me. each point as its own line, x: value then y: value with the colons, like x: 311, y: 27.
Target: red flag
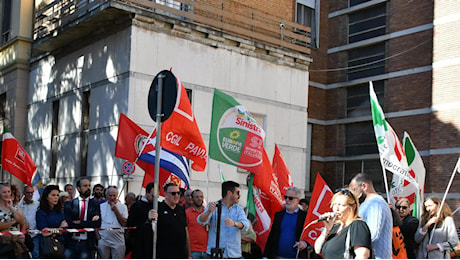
x: 319, y: 204
x: 281, y: 171
x: 15, y: 159
x: 165, y: 177
x: 130, y: 141
x: 265, y: 180
x: 180, y: 133
x: 263, y: 224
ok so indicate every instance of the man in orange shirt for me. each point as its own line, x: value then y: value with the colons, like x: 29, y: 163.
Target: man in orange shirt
x: 198, y: 233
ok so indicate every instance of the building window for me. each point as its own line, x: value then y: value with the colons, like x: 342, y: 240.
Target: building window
x: 54, y: 139
x: 357, y: 2
x: 366, y: 61
x: 2, y: 106
x: 360, y: 136
x: 6, y: 20
x: 84, y: 132
x: 358, y: 103
x: 306, y: 15
x: 372, y: 168
x: 360, y: 139
x: 367, y: 23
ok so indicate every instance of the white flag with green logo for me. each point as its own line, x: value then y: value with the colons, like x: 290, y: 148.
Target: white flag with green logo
x: 417, y: 169
x: 391, y: 152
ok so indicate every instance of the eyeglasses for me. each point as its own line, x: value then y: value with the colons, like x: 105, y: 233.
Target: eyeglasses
x: 346, y: 192
x: 174, y: 193
x: 401, y: 207
x: 289, y: 197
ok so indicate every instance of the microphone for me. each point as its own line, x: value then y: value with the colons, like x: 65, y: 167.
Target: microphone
x: 332, y: 215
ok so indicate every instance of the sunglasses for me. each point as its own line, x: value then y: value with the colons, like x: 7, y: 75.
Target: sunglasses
x: 401, y: 207
x: 174, y: 193
x: 346, y: 192
x: 289, y: 198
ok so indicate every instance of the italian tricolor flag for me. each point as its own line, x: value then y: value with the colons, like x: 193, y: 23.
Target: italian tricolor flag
x: 392, y: 155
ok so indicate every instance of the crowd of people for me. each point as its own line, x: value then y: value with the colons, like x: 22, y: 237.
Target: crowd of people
x: 361, y: 224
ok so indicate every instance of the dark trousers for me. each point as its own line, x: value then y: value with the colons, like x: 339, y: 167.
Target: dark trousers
x: 79, y: 249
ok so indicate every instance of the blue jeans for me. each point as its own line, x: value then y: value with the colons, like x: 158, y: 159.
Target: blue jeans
x: 78, y: 250
x: 198, y: 255
x: 35, y: 253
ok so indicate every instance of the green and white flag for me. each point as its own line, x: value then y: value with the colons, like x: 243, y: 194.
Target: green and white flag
x: 236, y: 138
x: 417, y: 169
x: 391, y: 152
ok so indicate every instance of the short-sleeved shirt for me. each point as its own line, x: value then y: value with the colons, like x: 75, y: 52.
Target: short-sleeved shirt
x: 171, y: 239
x: 197, y: 233
x: 334, y: 247
x: 109, y: 220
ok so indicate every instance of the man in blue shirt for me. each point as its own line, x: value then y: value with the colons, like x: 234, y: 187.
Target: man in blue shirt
x: 232, y: 221
x: 286, y: 230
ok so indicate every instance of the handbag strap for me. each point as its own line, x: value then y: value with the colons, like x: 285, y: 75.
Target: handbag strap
x: 346, y: 254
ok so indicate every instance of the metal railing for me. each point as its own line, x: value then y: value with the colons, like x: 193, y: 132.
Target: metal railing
x: 226, y: 16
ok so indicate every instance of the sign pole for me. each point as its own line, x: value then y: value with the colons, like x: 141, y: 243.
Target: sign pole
x: 157, y: 160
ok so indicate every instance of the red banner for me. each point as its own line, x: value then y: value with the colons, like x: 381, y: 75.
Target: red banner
x: 16, y: 160
x: 319, y: 204
x: 281, y: 171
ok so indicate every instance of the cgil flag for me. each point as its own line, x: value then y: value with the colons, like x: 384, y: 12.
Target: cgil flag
x: 319, y: 204
x: 131, y: 139
x: 180, y: 133
x: 15, y: 159
x: 257, y: 214
x: 237, y: 139
x: 417, y: 168
x: 392, y: 156
x: 281, y: 171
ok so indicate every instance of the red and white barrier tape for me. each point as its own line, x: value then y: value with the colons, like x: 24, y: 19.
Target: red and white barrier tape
x: 56, y: 230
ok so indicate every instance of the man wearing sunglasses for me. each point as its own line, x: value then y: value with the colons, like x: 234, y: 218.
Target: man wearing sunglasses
x: 408, y: 226
x: 375, y: 211
x: 287, y: 226
x: 173, y: 238
x: 233, y: 220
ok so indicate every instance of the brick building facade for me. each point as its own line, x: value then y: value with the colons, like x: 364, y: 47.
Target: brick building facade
x: 409, y: 50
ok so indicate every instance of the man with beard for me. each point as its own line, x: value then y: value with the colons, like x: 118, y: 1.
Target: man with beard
x: 98, y: 191
x: 286, y: 230
x: 233, y: 220
x: 199, y: 239
x: 375, y: 211
x: 79, y: 213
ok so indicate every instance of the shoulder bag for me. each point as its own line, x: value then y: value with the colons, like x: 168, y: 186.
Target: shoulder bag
x: 51, y: 247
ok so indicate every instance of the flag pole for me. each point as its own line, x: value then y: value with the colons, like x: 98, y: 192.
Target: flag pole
x: 445, y: 194
x: 157, y: 160
x: 385, y: 180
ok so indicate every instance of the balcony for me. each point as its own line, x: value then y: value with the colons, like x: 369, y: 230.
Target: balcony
x: 65, y: 22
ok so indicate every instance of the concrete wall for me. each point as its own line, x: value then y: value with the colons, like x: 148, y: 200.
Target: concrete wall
x: 119, y: 70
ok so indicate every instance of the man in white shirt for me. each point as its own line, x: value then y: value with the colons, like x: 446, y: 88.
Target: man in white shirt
x: 114, y: 215
x: 29, y: 208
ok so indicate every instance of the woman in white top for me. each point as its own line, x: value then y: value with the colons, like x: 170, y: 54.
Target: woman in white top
x: 10, y: 219
x: 442, y: 226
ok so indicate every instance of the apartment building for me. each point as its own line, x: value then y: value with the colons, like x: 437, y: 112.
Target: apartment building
x: 92, y: 60
x: 409, y: 50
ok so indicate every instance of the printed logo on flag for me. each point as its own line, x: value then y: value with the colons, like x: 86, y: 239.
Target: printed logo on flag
x: 139, y: 142
x: 242, y: 146
x: 20, y: 154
